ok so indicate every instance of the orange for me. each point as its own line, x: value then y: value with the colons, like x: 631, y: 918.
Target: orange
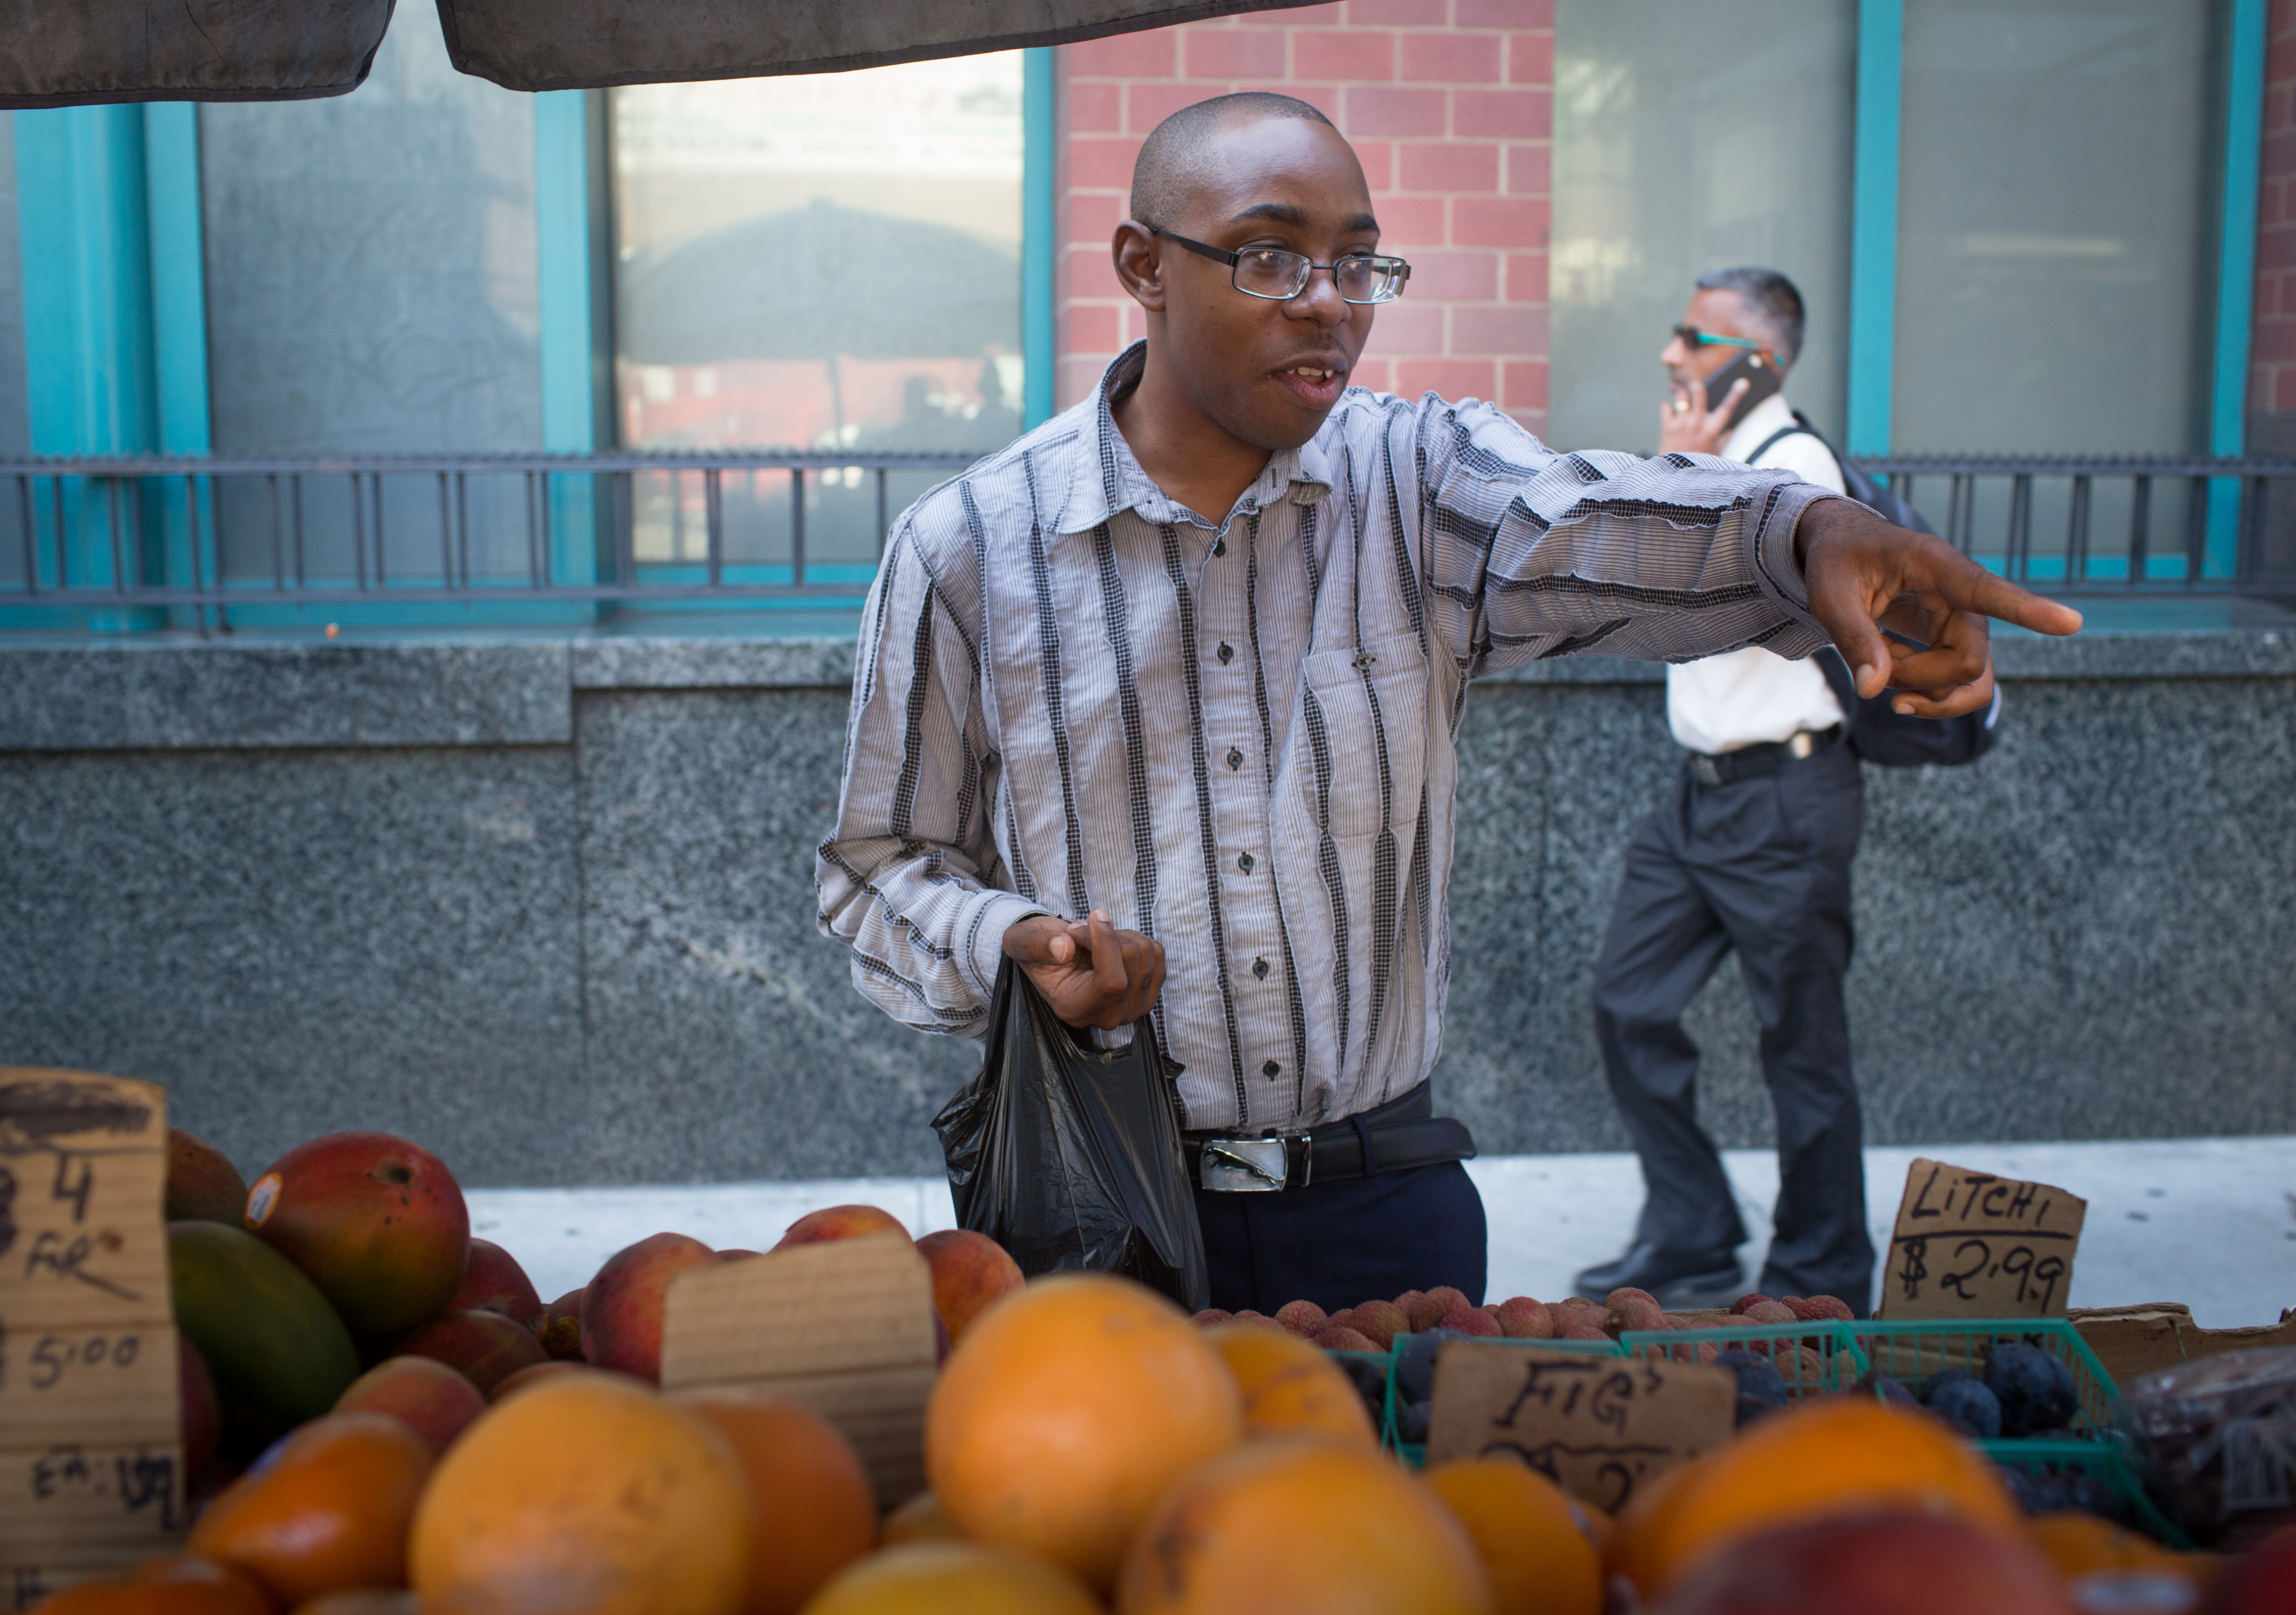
x: 953, y: 1578
x: 1833, y: 1455
x: 1599, y: 1527
x: 2077, y: 1542
x: 813, y: 1510
x: 1066, y: 1411
x: 328, y: 1508
x: 922, y: 1519
x: 1532, y: 1537
x: 1300, y: 1524
x: 1291, y: 1387
x: 179, y: 1584
x: 587, y: 1492
x: 1637, y: 1523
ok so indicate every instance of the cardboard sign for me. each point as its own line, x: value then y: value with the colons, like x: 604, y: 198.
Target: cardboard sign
x: 1597, y: 1427
x: 91, y: 1455
x: 1978, y: 1245
x: 844, y: 1327
x: 2131, y: 1340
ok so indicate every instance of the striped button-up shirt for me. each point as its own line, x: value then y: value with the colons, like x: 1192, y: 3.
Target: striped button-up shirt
x: 1239, y: 736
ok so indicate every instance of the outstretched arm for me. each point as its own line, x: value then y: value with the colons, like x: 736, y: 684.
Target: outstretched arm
x: 1868, y: 576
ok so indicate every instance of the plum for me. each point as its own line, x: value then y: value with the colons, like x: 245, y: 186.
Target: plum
x: 1370, y: 1381
x: 1417, y: 1417
x: 1969, y: 1405
x: 1892, y: 1393
x: 1761, y: 1388
x: 1415, y: 1371
x: 2036, y: 1390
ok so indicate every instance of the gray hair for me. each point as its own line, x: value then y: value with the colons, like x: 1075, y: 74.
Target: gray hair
x: 1772, y: 301
x: 1175, y: 148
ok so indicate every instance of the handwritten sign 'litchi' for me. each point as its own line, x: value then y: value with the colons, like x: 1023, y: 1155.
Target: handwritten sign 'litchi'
x: 91, y: 1438
x: 844, y: 1327
x: 1979, y: 1245
x: 1599, y: 1427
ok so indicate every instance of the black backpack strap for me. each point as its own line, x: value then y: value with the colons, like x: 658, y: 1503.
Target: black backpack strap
x: 1779, y: 435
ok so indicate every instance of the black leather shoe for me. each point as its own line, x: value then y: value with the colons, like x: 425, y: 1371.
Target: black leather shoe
x: 1678, y: 1278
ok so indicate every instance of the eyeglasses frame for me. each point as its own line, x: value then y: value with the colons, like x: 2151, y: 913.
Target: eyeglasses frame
x: 1693, y: 336
x: 1221, y: 255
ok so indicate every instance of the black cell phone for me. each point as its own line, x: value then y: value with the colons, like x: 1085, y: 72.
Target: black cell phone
x: 1761, y: 378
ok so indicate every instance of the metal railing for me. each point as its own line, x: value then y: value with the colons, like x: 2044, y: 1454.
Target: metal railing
x: 2129, y: 526
x: 194, y: 542
x: 215, y: 536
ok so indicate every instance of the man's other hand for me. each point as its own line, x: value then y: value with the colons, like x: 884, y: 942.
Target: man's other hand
x: 1090, y: 973
x: 1685, y: 426
x: 1865, y: 574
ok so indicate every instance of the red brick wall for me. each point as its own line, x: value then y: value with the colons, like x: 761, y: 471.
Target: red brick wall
x: 2272, y: 349
x: 1449, y: 104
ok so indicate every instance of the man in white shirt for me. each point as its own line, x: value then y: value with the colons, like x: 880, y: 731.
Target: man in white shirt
x: 1752, y: 852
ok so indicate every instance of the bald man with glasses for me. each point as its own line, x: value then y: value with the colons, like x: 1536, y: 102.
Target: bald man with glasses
x: 1161, y: 701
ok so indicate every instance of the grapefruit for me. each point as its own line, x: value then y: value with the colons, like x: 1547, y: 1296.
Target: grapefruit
x: 1301, y: 1524
x: 1066, y: 1412
x: 812, y: 1510
x: 953, y: 1578
x: 1291, y: 1387
x: 586, y: 1492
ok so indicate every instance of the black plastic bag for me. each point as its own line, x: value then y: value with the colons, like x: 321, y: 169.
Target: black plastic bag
x: 1070, y: 1157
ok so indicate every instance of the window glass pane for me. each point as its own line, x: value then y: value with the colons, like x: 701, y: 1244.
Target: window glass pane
x: 819, y: 262
x: 15, y: 414
x: 1687, y: 137
x: 372, y: 290
x: 2056, y: 226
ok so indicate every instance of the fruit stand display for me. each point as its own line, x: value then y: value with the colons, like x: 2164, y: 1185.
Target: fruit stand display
x: 381, y: 1416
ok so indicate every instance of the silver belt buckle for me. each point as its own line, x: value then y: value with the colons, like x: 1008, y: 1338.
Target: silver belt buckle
x: 1243, y: 1165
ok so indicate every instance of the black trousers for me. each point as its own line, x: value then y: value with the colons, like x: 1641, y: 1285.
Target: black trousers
x: 1760, y: 865
x: 1347, y: 1241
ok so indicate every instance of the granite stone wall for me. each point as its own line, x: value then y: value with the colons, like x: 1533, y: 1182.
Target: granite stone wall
x: 546, y: 904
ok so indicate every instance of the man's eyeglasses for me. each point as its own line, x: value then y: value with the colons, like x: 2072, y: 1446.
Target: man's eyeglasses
x: 1691, y: 336
x: 1271, y: 273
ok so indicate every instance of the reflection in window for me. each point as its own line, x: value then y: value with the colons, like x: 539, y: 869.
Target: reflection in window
x: 1687, y: 137
x: 2054, y: 227
x: 816, y: 263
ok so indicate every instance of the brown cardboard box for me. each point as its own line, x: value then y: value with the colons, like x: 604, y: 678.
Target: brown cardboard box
x: 2131, y: 1340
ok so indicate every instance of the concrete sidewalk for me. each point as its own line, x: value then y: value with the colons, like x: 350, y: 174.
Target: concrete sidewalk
x: 2210, y: 1222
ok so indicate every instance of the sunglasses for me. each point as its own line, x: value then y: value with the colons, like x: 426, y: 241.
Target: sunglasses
x: 1691, y: 336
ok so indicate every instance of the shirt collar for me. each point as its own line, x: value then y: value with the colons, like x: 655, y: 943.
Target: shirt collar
x: 1112, y: 480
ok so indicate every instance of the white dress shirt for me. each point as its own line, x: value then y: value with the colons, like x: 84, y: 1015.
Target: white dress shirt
x: 1239, y: 736
x: 1745, y: 697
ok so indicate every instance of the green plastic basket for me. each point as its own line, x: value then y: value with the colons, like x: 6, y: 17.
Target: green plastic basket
x: 1836, y: 1365
x: 2106, y: 1460
x: 1911, y: 1351
x: 1414, y: 1453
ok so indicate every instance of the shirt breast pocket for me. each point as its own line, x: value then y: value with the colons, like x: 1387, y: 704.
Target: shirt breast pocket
x: 1363, y: 737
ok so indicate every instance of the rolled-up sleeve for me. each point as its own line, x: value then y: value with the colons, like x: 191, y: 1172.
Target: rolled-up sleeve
x: 1528, y: 554
x: 906, y: 878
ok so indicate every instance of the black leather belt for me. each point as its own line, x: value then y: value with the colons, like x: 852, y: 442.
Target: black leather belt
x: 1751, y: 762
x: 1394, y: 1137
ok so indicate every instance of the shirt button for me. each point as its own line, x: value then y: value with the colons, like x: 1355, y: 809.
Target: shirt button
x: 1271, y: 1069
x: 1219, y: 546
x: 1235, y: 757
x: 1243, y: 862
x: 1259, y: 969
x: 1226, y: 651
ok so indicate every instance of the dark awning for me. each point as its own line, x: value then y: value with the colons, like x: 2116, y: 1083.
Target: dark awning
x: 570, y: 44
x: 69, y: 52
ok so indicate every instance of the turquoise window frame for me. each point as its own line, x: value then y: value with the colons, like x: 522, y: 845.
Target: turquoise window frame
x: 1878, y: 134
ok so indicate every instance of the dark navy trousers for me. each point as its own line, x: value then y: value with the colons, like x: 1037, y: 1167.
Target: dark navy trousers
x: 1351, y: 1240
x: 1760, y: 866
